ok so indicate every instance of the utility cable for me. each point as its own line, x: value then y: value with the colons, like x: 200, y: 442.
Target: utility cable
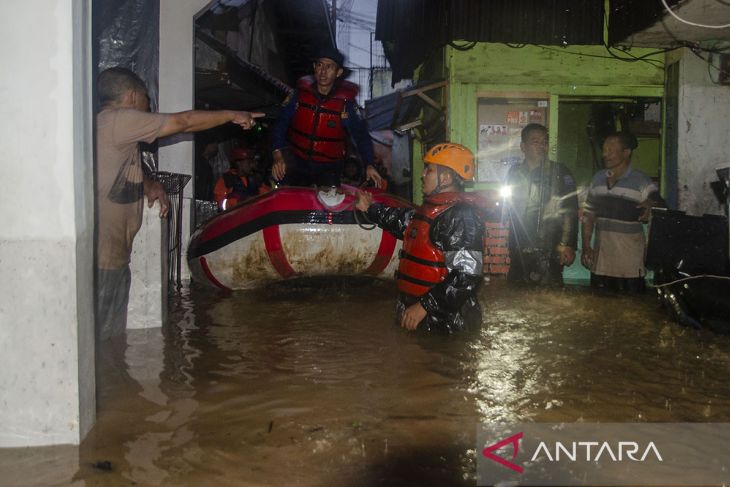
x: 724, y: 278
x: 664, y: 2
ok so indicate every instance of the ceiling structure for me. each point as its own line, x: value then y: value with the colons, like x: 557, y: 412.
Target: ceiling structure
x: 667, y: 31
x: 240, y: 85
x: 293, y: 31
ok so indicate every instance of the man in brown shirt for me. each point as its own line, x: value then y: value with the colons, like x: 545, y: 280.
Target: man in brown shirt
x: 123, y: 122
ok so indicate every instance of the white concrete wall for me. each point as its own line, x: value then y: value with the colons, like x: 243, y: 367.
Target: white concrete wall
x: 46, y: 238
x: 703, y: 135
x: 177, y: 93
x: 148, y: 291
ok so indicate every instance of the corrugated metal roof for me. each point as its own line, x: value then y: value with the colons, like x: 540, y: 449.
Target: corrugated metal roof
x: 388, y: 111
x: 527, y: 21
x: 411, y: 29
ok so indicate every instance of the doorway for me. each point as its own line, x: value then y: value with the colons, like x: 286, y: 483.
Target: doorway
x: 584, y: 122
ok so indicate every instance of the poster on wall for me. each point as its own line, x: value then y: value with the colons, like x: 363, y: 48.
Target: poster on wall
x: 493, y: 141
x: 500, y: 124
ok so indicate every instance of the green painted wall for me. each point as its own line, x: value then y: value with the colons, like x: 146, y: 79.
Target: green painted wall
x: 569, y: 68
x: 559, y: 73
x: 574, y: 146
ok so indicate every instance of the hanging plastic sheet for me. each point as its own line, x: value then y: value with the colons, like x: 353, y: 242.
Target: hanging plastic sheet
x: 127, y: 35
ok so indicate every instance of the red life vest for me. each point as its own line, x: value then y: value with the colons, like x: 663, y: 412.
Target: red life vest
x: 422, y: 264
x: 316, y: 132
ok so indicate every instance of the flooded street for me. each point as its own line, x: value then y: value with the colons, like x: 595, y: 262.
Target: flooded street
x: 316, y: 386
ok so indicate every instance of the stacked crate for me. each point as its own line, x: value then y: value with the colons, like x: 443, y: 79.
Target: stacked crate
x: 496, y: 252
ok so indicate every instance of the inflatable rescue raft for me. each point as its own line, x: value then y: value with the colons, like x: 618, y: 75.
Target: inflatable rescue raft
x: 292, y: 232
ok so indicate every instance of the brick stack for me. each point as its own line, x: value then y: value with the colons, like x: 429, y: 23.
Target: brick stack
x: 496, y: 252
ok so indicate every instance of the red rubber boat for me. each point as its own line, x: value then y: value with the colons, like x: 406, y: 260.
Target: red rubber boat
x: 292, y: 232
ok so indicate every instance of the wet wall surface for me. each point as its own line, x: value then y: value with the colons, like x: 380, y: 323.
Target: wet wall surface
x: 313, y: 384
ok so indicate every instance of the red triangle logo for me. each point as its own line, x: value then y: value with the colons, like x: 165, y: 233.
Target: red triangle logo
x: 514, y: 440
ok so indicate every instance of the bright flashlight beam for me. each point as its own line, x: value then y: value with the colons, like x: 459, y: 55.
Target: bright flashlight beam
x: 505, y: 192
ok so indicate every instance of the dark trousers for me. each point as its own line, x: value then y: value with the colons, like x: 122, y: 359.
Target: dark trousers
x: 623, y: 285
x: 301, y: 172
x: 534, y: 267
x: 112, y: 298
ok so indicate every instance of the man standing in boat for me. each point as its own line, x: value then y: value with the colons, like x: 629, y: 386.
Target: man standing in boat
x: 122, y: 123
x: 440, y: 265
x: 314, y: 125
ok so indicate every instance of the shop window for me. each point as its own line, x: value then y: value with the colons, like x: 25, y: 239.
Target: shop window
x: 500, y: 120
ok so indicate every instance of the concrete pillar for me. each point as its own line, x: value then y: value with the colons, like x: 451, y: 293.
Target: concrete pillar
x: 177, y: 93
x: 46, y: 239
x: 148, y: 294
x: 149, y: 265
x: 702, y: 134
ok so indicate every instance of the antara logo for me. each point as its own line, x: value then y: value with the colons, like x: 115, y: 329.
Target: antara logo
x: 595, y: 450
x: 514, y: 440
x: 591, y: 451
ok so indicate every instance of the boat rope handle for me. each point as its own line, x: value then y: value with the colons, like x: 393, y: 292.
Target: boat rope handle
x: 356, y: 212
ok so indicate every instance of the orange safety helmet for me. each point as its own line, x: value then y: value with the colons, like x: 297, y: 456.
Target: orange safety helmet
x: 454, y: 156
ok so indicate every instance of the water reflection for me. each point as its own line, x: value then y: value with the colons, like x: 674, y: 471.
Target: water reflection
x: 314, y: 385
x: 578, y: 357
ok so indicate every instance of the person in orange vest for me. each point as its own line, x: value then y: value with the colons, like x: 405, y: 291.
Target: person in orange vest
x: 314, y: 125
x: 440, y: 266
x: 238, y: 183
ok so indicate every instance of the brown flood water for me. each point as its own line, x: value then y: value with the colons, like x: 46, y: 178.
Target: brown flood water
x: 315, y: 386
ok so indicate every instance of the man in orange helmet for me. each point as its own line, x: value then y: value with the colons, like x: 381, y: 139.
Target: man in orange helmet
x: 440, y: 265
x: 237, y: 184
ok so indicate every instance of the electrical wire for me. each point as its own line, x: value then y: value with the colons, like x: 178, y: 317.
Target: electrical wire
x: 664, y: 2
x: 713, y: 50
x: 632, y: 59
x: 721, y: 71
x: 653, y: 62
x: 612, y: 55
x: 725, y: 278
x: 709, y: 71
x: 464, y: 47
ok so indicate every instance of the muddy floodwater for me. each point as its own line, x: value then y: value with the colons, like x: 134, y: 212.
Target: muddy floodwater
x: 313, y: 385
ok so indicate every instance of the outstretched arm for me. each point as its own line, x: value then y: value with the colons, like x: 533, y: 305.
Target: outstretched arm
x: 197, y: 120
x: 391, y: 219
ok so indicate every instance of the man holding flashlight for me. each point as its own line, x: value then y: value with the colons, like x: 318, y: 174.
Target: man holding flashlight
x: 543, y: 214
